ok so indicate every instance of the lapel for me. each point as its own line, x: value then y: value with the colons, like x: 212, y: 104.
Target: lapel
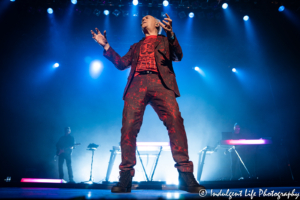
x: 158, y: 40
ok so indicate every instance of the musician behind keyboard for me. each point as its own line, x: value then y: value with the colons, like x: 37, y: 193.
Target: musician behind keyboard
x: 236, y: 165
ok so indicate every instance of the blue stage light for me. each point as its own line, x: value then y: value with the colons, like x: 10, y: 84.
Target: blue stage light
x: 96, y: 68
x: 56, y: 65
x: 233, y: 69
x: 281, y: 8
x: 200, y: 71
x: 106, y: 12
x: 165, y: 3
x: 246, y: 17
x: 224, y: 6
x: 135, y: 2
x: 12, y: 0
x: 74, y: 1
x: 191, y: 15
x: 50, y: 10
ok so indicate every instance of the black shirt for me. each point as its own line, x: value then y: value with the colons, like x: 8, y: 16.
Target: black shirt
x: 66, y: 142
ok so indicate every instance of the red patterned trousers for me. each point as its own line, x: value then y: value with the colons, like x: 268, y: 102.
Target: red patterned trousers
x: 148, y: 89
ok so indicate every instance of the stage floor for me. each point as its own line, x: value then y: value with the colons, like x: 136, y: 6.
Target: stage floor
x: 64, y: 193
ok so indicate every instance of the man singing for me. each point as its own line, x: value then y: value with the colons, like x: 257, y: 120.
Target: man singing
x: 151, y: 81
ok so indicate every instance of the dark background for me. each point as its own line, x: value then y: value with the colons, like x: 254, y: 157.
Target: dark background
x: 38, y: 101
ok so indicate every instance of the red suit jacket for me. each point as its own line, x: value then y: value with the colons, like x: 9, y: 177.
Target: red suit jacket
x: 165, y: 52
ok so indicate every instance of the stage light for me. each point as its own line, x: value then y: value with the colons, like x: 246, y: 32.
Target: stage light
x: 233, y: 69
x: 281, y: 8
x: 89, y: 195
x: 169, y: 195
x: 135, y: 2
x: 106, y: 12
x: 56, y: 65
x: 116, y: 13
x: 125, y: 13
x: 95, y: 68
x: 247, y: 142
x: 246, y: 17
x: 224, y: 6
x: 165, y: 3
x: 135, y: 13
x: 200, y: 71
x: 97, y: 12
x: 40, y: 180
x: 191, y: 15
x: 74, y: 1
x: 12, y: 0
x: 50, y: 10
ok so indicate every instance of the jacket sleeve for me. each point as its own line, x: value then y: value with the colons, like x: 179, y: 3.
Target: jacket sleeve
x: 175, y: 49
x: 120, y: 63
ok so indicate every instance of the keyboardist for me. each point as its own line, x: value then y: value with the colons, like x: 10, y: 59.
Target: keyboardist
x: 236, y: 166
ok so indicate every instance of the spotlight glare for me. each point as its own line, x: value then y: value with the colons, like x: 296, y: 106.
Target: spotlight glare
x: 233, y: 69
x: 96, y: 68
x: 106, y: 12
x: 246, y: 17
x: 56, y: 65
x: 12, y: 0
x: 200, y: 71
x: 165, y: 3
x: 224, y: 6
x: 135, y: 2
x: 176, y: 195
x: 281, y: 8
x: 50, y: 10
x: 191, y: 15
x: 74, y: 1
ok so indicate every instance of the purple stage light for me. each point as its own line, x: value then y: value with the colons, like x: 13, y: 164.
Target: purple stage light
x: 41, y: 180
x: 246, y: 142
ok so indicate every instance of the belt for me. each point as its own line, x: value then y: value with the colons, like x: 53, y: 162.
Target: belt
x: 147, y: 72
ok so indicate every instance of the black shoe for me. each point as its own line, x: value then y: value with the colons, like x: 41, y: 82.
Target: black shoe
x: 124, y: 184
x: 71, y: 181
x: 187, y: 182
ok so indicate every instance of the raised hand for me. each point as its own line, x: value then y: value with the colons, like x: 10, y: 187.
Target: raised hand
x: 167, y: 26
x: 100, y: 39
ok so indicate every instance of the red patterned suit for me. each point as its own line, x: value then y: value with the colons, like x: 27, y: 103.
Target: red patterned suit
x: 159, y: 90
